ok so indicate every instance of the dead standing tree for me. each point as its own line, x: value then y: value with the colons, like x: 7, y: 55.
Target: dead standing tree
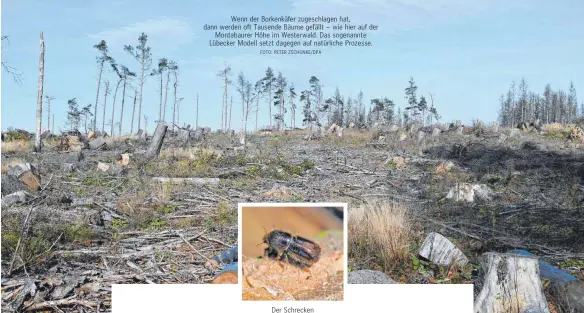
x: 120, y: 78
x: 258, y: 89
x: 268, y: 82
x: 230, y: 111
x: 102, y: 48
x: 174, y: 69
x: 143, y: 55
x: 133, y: 111
x: 197, y: 117
x: 225, y: 73
x: 162, y: 67
x: 39, y: 117
x: 292, y: 95
x: 107, y: 90
x: 49, y: 98
x: 126, y: 74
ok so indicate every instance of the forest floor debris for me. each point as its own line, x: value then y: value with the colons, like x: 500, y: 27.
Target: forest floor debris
x: 138, y: 225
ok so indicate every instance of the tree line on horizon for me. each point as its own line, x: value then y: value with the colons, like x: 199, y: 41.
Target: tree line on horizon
x: 278, y: 93
x: 521, y: 105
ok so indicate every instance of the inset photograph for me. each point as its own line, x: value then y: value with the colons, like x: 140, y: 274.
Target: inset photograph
x: 292, y: 251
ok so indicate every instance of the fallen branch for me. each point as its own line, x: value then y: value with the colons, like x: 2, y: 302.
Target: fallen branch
x: 51, y: 304
x: 188, y: 180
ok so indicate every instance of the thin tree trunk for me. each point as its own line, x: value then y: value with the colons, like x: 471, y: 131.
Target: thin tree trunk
x: 122, y: 108
x: 53, y: 128
x: 97, y: 94
x: 226, y: 99
x: 104, y: 105
x: 270, y: 105
x: 160, y: 108
x: 133, y: 111
x: 39, y: 116
x: 174, y: 105
x: 282, y: 123
x: 292, y: 112
x: 114, y: 107
x: 141, y: 90
x: 48, y: 112
x: 243, y: 117
x: 165, y: 96
x: 197, y: 117
x: 223, y: 112
x: 230, y: 111
x: 257, y: 111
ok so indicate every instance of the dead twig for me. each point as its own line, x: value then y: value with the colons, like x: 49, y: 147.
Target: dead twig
x: 19, y: 240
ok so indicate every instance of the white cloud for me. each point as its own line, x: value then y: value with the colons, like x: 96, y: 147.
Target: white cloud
x: 165, y: 34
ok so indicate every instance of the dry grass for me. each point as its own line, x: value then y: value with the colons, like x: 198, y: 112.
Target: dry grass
x: 381, y: 228
x: 557, y: 127
x: 17, y: 146
x: 111, y: 140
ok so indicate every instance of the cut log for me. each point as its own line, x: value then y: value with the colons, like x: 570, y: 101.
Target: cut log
x: 440, y: 251
x: 188, y: 180
x: 510, y: 283
x: 97, y: 144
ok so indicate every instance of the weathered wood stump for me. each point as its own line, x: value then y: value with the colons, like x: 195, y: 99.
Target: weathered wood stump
x: 510, y: 283
x: 156, y: 143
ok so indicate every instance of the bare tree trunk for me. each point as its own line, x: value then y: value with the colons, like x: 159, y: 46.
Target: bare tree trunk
x: 141, y: 89
x: 49, y: 111
x: 230, y: 111
x: 223, y: 112
x: 39, y: 116
x: 122, y: 108
x: 257, y: 111
x: 165, y: 96
x: 291, y: 112
x: 97, y: 94
x: 270, y: 105
x: 53, y: 128
x: 104, y: 105
x: 226, y: 99
x: 197, y: 117
x: 174, y: 106
x: 145, y: 124
x: 160, y: 108
x: 282, y: 123
x: 133, y: 111
x: 114, y: 107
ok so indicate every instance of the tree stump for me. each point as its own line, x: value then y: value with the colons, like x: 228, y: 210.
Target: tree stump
x: 156, y: 144
x: 510, y: 284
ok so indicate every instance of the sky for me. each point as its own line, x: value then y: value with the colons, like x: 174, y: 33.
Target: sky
x: 465, y: 52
